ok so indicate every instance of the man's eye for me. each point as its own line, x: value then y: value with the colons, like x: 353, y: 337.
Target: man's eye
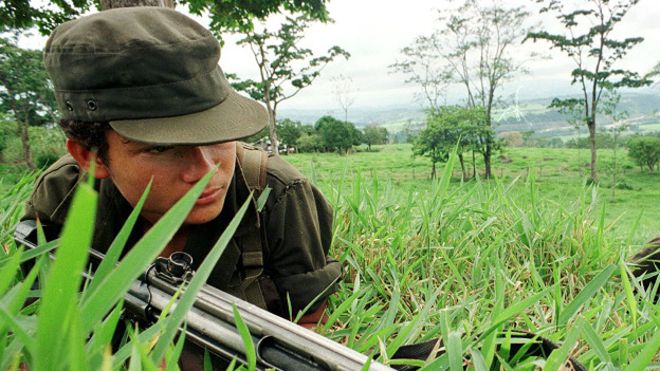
x: 158, y: 149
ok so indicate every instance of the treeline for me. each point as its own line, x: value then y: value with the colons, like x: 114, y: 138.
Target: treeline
x: 326, y: 135
x: 531, y: 139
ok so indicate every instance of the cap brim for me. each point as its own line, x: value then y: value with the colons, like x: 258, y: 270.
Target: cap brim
x: 234, y: 118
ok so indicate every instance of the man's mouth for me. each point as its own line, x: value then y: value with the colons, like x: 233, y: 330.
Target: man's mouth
x: 208, y: 196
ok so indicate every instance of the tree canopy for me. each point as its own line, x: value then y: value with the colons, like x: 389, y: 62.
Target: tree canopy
x: 452, y: 128
x: 374, y: 134
x: 337, y: 135
x: 226, y: 16
x: 588, y: 40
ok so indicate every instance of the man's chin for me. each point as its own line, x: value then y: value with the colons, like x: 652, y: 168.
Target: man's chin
x: 201, y: 215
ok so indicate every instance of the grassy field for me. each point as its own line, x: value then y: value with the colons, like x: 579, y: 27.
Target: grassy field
x: 559, y: 175
x: 534, y: 249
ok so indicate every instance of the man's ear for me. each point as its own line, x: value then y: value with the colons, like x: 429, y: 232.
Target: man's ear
x: 84, y: 157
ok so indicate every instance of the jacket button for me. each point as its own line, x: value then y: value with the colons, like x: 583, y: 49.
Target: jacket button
x: 91, y: 105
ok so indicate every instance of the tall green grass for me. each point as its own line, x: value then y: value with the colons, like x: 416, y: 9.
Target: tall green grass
x: 464, y: 262
x: 479, y: 258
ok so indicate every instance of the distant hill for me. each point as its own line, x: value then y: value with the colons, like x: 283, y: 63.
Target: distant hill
x: 533, y: 114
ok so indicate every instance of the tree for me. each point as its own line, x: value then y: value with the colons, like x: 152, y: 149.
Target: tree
x: 589, y: 42
x: 645, y: 151
x: 344, y: 91
x: 421, y: 67
x: 473, y: 48
x: 374, y: 134
x: 26, y: 91
x: 609, y: 107
x: 285, y: 68
x: 337, y: 135
x: 289, y: 131
x: 452, y: 128
x: 310, y: 143
x: 227, y: 15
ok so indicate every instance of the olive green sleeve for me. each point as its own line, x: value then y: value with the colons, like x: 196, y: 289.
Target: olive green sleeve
x: 52, y: 193
x: 299, y: 229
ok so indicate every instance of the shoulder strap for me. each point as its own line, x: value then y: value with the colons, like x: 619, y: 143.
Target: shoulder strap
x: 253, y: 164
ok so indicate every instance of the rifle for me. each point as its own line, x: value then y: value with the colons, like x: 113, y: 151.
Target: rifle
x: 279, y: 343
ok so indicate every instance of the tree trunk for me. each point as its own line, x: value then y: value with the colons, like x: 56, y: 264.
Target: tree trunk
x: 112, y: 4
x: 433, y: 171
x: 487, y: 156
x: 474, y: 165
x: 25, y: 141
x: 272, y: 133
x: 591, y: 124
x: 462, y: 160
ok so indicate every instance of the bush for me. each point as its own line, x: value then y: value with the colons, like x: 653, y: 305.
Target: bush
x: 645, y: 151
x: 6, y: 131
x: 46, y: 159
x: 47, y: 142
x: 310, y: 143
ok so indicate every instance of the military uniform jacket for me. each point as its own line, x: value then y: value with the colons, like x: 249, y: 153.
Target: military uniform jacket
x: 294, y: 227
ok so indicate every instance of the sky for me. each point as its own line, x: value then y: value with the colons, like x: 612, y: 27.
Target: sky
x: 374, y: 32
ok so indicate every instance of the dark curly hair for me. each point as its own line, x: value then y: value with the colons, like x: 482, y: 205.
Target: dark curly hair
x: 90, y: 134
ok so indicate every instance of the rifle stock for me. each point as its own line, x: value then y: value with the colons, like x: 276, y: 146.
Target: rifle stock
x: 279, y: 343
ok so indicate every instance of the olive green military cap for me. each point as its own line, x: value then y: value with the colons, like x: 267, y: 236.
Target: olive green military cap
x: 152, y: 73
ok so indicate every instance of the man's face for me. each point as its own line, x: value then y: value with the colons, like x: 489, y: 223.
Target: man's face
x: 175, y: 169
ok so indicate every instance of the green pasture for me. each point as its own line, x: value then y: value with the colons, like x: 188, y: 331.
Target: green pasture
x: 559, y: 174
x: 650, y: 128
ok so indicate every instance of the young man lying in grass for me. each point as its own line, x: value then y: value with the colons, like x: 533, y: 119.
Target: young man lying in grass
x: 142, y: 96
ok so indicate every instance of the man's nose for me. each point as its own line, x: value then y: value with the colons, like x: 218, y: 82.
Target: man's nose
x: 199, y: 162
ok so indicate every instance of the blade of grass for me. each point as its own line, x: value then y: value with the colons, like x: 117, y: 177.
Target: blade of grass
x: 340, y: 310
x: 120, y: 357
x: 9, y: 270
x: 455, y: 351
x: 558, y: 357
x: 596, y: 343
x: 103, y: 334
x: 478, y: 361
x: 589, y: 291
x: 488, y: 349
x: 78, y: 360
x: 15, y: 298
x: 627, y: 288
x: 413, y: 325
x: 33, y: 253
x: 250, y: 352
x: 64, y: 278
x: 14, y: 324
x: 174, y: 355
x: 117, y: 246
x: 646, y: 356
x: 438, y: 364
x: 513, y: 310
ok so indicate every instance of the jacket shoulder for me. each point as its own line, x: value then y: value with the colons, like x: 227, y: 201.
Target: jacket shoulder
x: 283, y: 172
x: 53, y: 190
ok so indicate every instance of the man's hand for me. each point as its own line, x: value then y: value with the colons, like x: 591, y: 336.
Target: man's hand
x: 309, y: 321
